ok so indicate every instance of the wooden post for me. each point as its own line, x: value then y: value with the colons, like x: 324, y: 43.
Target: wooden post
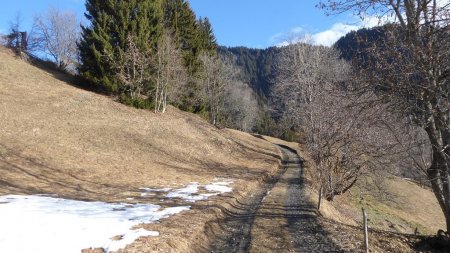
x: 23, y: 42
x: 320, y: 198
x: 366, y: 233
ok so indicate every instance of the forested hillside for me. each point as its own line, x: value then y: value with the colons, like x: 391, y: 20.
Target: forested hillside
x: 355, y: 44
x: 257, y: 66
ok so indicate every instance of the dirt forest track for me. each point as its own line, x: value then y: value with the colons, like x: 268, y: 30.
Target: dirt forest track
x: 279, y: 218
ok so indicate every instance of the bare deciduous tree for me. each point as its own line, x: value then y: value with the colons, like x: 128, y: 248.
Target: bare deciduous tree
x: 344, y: 129
x: 217, y: 75
x: 134, y: 68
x: 57, y: 33
x: 13, y: 38
x: 307, y: 94
x: 135, y: 71
x: 16, y: 38
x: 230, y: 103
x: 410, y: 67
x: 213, y: 86
x: 240, y: 107
x: 170, y: 73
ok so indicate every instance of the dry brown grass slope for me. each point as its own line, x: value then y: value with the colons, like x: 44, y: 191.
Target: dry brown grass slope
x: 56, y: 138
x: 393, y: 204
x: 60, y: 139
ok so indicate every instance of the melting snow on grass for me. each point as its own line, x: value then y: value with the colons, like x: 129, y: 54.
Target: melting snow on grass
x: 151, y: 191
x: 219, y: 187
x: 190, y: 192
x: 47, y: 224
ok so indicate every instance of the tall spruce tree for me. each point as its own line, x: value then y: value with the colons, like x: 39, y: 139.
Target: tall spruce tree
x: 208, y: 40
x: 191, y: 37
x: 181, y: 21
x: 95, y: 41
x: 105, y: 40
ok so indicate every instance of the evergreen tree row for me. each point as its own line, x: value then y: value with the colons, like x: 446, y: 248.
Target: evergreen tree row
x: 113, y: 22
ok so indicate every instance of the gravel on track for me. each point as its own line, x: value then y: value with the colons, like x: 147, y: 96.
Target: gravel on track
x: 278, y: 218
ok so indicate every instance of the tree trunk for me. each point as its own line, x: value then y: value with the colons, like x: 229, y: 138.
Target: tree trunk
x: 320, y: 198
x: 366, y: 232
x: 438, y: 173
x: 437, y: 185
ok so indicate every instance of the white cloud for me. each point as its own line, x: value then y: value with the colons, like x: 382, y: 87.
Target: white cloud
x: 327, y: 37
x: 297, y: 30
x: 280, y: 39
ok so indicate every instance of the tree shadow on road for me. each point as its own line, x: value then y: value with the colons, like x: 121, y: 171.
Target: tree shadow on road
x: 296, y: 219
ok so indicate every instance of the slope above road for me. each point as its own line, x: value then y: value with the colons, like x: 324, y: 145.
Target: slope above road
x: 56, y: 138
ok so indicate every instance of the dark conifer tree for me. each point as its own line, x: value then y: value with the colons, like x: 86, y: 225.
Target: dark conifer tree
x: 105, y: 39
x: 190, y: 37
x: 208, y: 40
x: 182, y: 22
x: 95, y: 41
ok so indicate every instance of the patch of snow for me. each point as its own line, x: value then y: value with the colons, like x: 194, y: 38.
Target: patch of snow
x: 218, y: 187
x: 188, y: 193
x: 47, y: 224
x: 221, y: 185
x: 152, y: 191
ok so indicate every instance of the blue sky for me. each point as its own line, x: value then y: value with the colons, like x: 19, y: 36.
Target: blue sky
x: 251, y: 23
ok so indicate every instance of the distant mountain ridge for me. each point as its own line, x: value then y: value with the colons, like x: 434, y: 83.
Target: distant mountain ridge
x: 257, y: 66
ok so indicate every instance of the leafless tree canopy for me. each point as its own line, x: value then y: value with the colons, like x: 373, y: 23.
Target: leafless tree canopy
x: 410, y: 14
x: 214, y: 82
x: 308, y: 96
x: 56, y: 33
x: 134, y: 68
x: 17, y: 38
x: 240, y: 108
x: 170, y: 73
x: 347, y: 130
x: 229, y: 102
x: 410, y: 68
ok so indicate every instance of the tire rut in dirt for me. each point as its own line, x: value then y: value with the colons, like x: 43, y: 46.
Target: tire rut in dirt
x: 234, y: 233
x: 303, y: 231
